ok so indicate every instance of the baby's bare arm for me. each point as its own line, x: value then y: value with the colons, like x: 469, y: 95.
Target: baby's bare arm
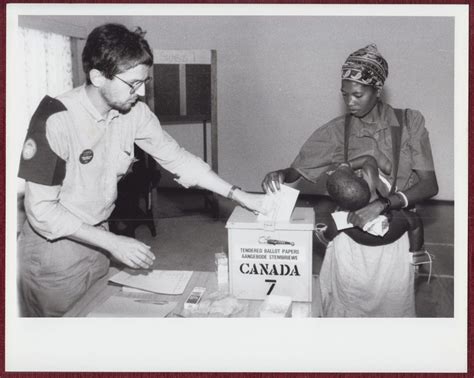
x: 370, y: 172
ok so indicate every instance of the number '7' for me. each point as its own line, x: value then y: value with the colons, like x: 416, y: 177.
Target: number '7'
x: 272, y: 282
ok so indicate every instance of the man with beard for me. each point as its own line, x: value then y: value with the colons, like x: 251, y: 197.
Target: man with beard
x: 77, y: 148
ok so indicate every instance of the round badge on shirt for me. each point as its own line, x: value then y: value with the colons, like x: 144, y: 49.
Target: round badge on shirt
x: 86, y: 156
x: 29, y: 149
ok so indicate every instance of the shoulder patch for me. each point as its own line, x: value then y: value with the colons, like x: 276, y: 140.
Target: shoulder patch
x: 29, y: 149
x: 39, y: 163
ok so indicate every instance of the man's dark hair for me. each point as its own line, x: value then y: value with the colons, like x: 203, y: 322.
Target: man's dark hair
x: 112, y: 49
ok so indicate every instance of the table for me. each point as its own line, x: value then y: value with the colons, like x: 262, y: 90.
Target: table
x: 103, y: 290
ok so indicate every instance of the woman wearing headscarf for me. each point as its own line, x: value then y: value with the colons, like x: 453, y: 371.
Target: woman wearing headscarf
x: 359, y: 280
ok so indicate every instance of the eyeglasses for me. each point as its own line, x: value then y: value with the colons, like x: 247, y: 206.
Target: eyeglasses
x: 136, y: 86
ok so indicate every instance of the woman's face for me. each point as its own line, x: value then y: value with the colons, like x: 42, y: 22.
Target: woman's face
x: 359, y: 98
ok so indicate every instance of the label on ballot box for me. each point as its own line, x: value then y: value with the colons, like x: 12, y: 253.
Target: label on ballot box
x: 271, y: 258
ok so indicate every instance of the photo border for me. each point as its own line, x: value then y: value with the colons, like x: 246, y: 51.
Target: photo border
x: 270, y: 324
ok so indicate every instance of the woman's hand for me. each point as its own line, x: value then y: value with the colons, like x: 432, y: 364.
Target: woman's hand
x: 360, y: 217
x: 250, y: 201
x: 273, y: 180
x: 131, y: 252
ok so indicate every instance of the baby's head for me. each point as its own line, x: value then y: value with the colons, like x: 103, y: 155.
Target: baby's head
x: 348, y: 190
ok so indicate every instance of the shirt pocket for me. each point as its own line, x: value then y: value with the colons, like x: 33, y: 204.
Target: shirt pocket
x: 124, y: 163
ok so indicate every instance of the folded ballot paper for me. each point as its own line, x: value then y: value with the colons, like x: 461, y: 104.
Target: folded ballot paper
x: 279, y: 205
x: 377, y: 227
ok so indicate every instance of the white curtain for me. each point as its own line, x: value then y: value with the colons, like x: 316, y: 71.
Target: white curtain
x: 47, y: 66
x: 45, y: 63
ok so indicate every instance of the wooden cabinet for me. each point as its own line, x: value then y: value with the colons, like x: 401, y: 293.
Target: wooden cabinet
x: 184, y: 92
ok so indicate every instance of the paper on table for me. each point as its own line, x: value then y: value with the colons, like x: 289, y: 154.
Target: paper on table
x: 279, y: 205
x: 172, y: 282
x: 132, y: 290
x: 125, y: 307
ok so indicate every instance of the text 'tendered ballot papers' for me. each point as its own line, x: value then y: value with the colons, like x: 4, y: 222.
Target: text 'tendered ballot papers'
x: 171, y: 282
x: 279, y: 205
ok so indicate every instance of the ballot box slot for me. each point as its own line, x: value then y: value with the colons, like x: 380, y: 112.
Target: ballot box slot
x: 269, y: 240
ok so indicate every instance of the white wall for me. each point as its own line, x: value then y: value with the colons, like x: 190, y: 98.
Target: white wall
x: 279, y: 79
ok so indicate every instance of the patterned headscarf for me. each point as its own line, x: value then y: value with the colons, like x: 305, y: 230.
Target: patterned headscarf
x: 366, y: 66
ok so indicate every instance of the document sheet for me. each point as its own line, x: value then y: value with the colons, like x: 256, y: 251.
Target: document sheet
x: 340, y: 218
x: 171, y: 282
x: 279, y: 205
x: 378, y: 227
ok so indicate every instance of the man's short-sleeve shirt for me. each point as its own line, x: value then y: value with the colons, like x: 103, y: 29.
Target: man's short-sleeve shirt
x: 96, y: 151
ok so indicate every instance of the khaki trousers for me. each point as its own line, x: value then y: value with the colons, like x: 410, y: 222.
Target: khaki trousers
x: 54, y: 275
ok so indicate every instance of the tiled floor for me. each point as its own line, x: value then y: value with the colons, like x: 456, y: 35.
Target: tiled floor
x: 436, y: 299
x: 188, y: 238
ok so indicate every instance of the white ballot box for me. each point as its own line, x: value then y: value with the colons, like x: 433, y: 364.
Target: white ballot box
x: 271, y: 257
